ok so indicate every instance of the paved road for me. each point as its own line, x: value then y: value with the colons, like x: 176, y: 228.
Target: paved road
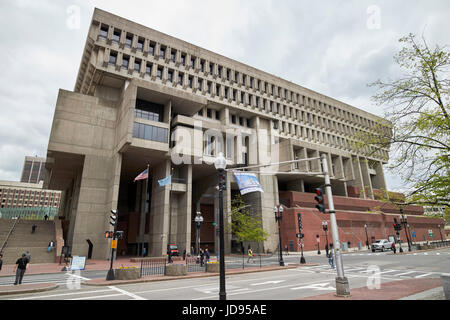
x: 287, y: 284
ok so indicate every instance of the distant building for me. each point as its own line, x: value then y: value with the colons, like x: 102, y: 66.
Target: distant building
x: 434, y: 211
x: 33, y: 170
x: 24, y: 195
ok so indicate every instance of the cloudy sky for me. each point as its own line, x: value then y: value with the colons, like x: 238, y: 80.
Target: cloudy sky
x: 330, y: 46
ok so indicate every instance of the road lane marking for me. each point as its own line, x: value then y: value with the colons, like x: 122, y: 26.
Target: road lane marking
x: 319, y: 286
x: 62, y: 294
x: 267, y: 282
x: 132, y: 295
x: 409, y: 272
x: 423, y: 275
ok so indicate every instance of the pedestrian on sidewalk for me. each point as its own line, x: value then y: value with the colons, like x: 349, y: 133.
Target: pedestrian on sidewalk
x: 393, y: 248
x: 28, y: 256
x: 207, y: 255
x: 20, y: 269
x: 250, y: 255
x: 33, y: 228
x: 184, y: 254
x: 46, y: 217
x: 331, y: 256
x: 1, y: 261
x: 202, y: 257
x: 286, y: 249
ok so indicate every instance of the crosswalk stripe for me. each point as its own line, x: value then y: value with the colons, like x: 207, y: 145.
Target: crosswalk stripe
x: 423, y: 275
x: 409, y: 272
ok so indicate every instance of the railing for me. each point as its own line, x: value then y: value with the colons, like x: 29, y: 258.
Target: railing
x: 193, y: 264
x: 151, y: 267
x: 440, y: 244
x: 9, y: 234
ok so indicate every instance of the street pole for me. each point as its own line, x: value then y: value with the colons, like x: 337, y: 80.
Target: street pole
x: 342, y: 285
x: 115, y: 217
x: 440, y: 232
x: 220, y: 164
x: 318, y: 243
x: 278, y: 218
x: 367, y: 237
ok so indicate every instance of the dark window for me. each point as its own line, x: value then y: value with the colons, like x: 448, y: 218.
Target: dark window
x: 190, y: 80
x: 151, y: 49
x: 208, y: 85
x: 180, y: 78
x: 116, y: 36
x: 147, y: 132
x: 183, y: 59
x: 128, y: 41
x: 220, y: 71
x: 148, y: 110
x: 162, y: 52
x: 233, y: 119
x: 172, y: 56
x: 113, y: 58
x: 140, y: 45
x: 137, y: 65
x: 192, y: 63
x: 200, y: 84
x: 159, y: 73
x: 228, y: 74
x: 209, y: 113
x: 241, y: 121
x: 202, y: 65
x: 200, y: 113
x: 211, y: 68
x: 251, y: 82
x: 217, y: 115
x: 170, y: 76
x: 148, y: 69
x: 125, y: 62
x: 103, y: 32
x: 248, y: 123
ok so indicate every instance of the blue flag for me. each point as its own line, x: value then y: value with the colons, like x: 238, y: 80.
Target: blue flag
x: 165, y: 181
x: 247, y: 182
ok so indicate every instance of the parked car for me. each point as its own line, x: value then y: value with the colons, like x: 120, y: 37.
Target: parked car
x: 173, y: 249
x: 382, y: 245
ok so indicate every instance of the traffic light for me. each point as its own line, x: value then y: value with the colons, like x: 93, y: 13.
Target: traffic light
x: 299, y: 219
x: 114, y: 218
x: 320, y: 200
x: 109, y: 234
x: 397, y: 226
x: 119, y: 235
x: 222, y: 181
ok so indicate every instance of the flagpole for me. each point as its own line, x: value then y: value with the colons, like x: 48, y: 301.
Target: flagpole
x: 147, y: 198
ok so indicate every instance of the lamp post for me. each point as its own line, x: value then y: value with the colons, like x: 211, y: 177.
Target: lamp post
x: 325, y: 228
x: 278, y: 216
x: 404, y: 221
x: 198, y: 222
x: 220, y: 164
x: 367, y: 237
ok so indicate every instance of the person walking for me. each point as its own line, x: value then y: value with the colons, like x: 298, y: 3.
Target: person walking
x: 20, y: 268
x: 393, y: 248
x: 202, y: 256
x: 331, y: 256
x: 207, y: 255
x: 250, y: 255
x: 184, y: 254
x: 286, y: 249
x: 1, y: 261
x: 33, y: 228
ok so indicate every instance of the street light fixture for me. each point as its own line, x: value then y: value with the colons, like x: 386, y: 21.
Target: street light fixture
x: 198, y: 222
x: 278, y: 216
x: 220, y: 164
x: 367, y: 237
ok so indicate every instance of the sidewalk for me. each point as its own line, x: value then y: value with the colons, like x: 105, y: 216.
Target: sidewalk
x: 410, y: 289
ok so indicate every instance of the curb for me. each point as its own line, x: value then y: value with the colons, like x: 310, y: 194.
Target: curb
x: 29, y: 290
x: 192, y: 276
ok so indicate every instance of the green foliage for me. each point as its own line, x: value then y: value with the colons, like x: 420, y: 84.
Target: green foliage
x: 418, y: 131
x: 243, y: 225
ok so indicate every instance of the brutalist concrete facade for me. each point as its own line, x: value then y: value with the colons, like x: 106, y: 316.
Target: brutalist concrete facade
x: 145, y: 98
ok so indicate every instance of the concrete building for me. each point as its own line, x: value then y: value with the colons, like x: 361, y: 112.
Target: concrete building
x: 143, y: 97
x: 33, y: 170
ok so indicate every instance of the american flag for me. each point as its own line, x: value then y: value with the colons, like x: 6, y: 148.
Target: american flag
x: 142, y: 176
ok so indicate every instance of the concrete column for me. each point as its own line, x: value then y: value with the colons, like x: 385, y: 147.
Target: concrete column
x: 184, y: 218
x: 159, y: 216
x: 366, y: 176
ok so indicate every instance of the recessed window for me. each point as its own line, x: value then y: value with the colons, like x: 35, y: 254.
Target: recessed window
x: 200, y: 84
x: 148, y: 69
x: 208, y: 86
x: 209, y: 113
x: 190, y: 82
x: 233, y: 119
x: 170, y: 76
x: 162, y: 52
x: 217, y: 115
x: 113, y: 58
x: 180, y: 78
x: 137, y: 65
x: 159, y: 73
x: 220, y: 69
x: 140, y: 44
x: 103, y: 33
x: 116, y: 36
x: 151, y: 48
x: 172, y: 55
x: 125, y: 62
x: 192, y: 62
x: 183, y: 59
x: 128, y: 41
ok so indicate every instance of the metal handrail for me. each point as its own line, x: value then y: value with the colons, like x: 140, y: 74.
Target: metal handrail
x: 9, y: 234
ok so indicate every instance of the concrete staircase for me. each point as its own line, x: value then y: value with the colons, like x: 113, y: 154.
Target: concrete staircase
x: 22, y: 240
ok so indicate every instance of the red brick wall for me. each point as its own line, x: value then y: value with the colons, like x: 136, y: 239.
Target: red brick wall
x: 350, y: 221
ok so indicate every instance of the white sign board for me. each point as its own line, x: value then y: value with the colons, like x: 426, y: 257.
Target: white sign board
x: 78, y: 263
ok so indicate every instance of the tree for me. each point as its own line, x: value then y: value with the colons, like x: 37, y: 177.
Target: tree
x: 244, y: 225
x: 418, y: 111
